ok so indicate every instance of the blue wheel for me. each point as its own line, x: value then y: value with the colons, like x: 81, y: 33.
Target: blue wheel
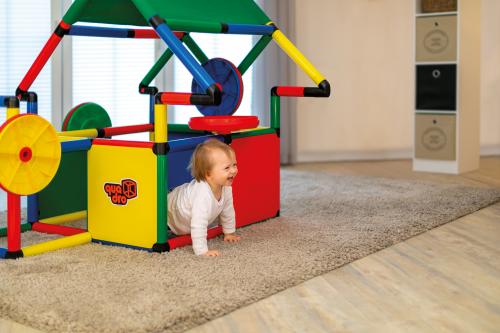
x: 229, y: 78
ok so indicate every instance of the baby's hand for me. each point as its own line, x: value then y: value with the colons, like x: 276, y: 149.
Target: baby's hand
x: 211, y: 253
x: 232, y: 238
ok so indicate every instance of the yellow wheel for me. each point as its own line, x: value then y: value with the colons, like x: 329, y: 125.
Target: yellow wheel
x: 30, y: 153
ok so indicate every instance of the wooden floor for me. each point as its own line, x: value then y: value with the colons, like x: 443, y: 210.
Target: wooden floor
x: 445, y: 280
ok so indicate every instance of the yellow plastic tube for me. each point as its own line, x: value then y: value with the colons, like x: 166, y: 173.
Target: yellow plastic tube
x: 61, y: 243
x: 11, y: 112
x: 65, y: 218
x: 160, y: 123
x: 294, y: 53
x: 85, y: 133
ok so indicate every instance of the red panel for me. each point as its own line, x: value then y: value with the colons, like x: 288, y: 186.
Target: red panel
x: 56, y: 229
x: 256, y: 188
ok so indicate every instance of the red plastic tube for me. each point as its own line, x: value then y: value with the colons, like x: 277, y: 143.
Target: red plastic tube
x: 290, y: 91
x: 13, y: 222
x: 42, y: 59
x: 173, y: 98
x: 56, y: 229
x: 111, y: 131
x: 184, y: 240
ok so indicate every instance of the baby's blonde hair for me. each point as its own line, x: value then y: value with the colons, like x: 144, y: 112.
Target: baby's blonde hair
x: 201, y: 163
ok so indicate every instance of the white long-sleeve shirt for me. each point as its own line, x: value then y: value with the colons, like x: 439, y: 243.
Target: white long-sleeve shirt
x: 192, y: 207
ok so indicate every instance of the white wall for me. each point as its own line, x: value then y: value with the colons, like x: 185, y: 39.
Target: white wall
x: 365, y: 49
x: 490, y: 77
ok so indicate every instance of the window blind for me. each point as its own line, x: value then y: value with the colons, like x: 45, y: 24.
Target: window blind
x: 24, y: 30
x: 107, y: 71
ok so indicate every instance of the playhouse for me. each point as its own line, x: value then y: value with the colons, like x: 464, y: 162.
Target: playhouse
x: 119, y: 186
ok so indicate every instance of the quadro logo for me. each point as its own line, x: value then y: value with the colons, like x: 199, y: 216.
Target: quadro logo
x: 119, y: 194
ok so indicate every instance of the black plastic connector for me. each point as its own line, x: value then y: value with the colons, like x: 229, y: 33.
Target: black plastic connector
x: 323, y: 90
x: 11, y: 102
x: 155, y: 21
x: 278, y: 132
x: 21, y: 94
x: 32, y: 97
x: 14, y: 254
x: 224, y: 28
x: 278, y: 214
x: 228, y: 139
x: 60, y: 31
x: 130, y: 33
x: 161, y: 148
x: 213, y: 97
x: 160, y: 248
x: 274, y: 91
x: 100, y: 133
x: 158, y: 98
x: 146, y: 90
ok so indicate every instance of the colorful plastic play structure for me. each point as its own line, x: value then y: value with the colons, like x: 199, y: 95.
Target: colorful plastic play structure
x: 121, y: 186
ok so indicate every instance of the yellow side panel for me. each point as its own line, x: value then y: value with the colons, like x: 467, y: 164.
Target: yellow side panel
x: 122, y: 195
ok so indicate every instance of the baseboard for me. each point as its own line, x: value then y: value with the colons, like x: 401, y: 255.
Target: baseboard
x: 332, y: 156
x: 395, y: 154
x: 489, y: 150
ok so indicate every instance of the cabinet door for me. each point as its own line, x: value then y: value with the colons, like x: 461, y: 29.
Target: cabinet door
x: 435, y: 137
x: 436, y: 38
x: 436, y: 87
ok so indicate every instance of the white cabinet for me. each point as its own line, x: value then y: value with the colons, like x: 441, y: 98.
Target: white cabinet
x: 447, y: 83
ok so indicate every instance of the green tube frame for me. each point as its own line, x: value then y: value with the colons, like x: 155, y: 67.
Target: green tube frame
x: 157, y: 67
x: 161, y: 199
x: 254, y: 53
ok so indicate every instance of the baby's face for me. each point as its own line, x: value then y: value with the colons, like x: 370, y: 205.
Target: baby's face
x: 224, y: 169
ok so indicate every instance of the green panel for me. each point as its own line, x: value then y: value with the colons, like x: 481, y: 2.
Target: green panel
x: 125, y: 12
x: 67, y: 193
x: 24, y: 227
x: 253, y: 133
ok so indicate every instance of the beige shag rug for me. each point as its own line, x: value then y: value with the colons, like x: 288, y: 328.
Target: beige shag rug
x: 326, y: 221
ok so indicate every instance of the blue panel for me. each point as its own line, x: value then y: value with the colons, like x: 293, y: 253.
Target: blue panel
x: 33, y: 208
x: 178, y: 173
x: 2, y: 253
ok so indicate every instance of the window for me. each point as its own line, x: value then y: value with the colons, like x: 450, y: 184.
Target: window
x: 107, y: 71
x: 24, y: 30
x: 231, y: 47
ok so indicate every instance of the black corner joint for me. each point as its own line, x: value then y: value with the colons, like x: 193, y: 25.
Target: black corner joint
x: 21, y: 94
x: 146, y: 90
x: 228, y: 139
x: 160, y: 248
x: 274, y: 91
x: 323, y: 90
x: 32, y: 97
x: 212, y: 97
x: 14, y: 254
x: 101, y: 133
x: 278, y: 132
x: 274, y: 26
x: 158, y: 98
x: 161, y: 148
x: 60, y: 31
x: 155, y: 21
x: 130, y: 33
x: 278, y: 214
x: 224, y: 28
x: 11, y: 102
